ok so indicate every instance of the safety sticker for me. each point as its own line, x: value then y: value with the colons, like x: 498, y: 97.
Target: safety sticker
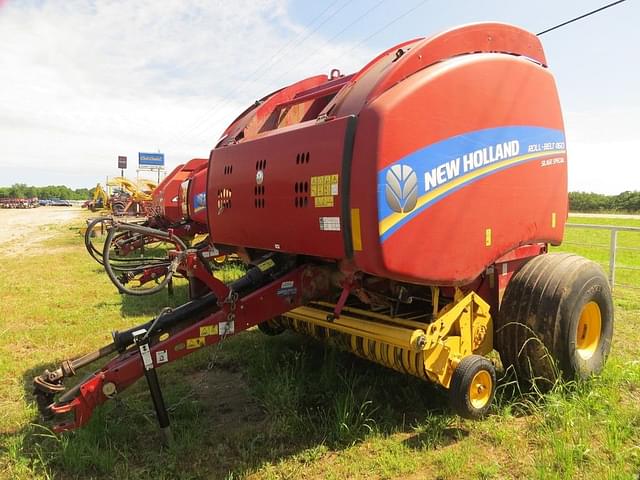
x: 146, y: 356
x: 162, y: 356
x: 207, y: 330
x: 323, y: 202
x: 266, y: 265
x: 324, y: 186
x: 226, y: 328
x: 330, y: 224
x: 195, y: 343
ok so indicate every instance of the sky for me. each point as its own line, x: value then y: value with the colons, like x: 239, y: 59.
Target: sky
x: 84, y: 81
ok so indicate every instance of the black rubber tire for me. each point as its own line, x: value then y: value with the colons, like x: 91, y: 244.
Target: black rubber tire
x: 536, y: 328
x: 118, y: 208
x: 460, y: 386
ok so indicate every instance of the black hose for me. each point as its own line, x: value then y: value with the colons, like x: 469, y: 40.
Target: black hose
x: 113, y: 277
x: 93, y: 251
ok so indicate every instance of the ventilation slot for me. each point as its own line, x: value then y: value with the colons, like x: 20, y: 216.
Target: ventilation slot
x: 258, y: 192
x: 301, y: 190
x: 302, y: 158
x: 228, y: 169
x: 224, y: 199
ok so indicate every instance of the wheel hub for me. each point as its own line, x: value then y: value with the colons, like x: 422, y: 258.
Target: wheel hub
x: 589, y: 330
x: 480, y: 389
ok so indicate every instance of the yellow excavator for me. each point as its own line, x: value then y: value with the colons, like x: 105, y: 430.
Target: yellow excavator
x: 99, y: 201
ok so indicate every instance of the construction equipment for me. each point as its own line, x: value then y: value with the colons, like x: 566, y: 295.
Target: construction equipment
x: 129, y: 198
x: 99, y: 200
x: 403, y: 212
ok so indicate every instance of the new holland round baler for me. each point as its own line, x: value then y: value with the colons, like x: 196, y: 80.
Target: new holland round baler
x: 402, y: 212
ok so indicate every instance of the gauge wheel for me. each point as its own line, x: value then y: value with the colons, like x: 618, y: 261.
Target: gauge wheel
x: 472, y: 387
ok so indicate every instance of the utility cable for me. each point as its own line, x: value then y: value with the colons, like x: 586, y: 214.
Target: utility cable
x: 580, y: 17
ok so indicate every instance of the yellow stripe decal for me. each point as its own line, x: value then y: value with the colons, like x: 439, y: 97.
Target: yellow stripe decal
x: 356, y: 234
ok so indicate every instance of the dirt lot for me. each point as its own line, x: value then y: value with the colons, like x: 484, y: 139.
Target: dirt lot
x: 24, y: 228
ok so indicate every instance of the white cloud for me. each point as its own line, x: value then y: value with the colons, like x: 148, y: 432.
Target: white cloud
x: 82, y: 82
x: 603, y: 156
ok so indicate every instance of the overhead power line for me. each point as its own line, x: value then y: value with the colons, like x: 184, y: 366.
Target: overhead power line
x: 580, y: 17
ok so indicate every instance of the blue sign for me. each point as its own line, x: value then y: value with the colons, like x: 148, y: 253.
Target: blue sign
x: 151, y: 159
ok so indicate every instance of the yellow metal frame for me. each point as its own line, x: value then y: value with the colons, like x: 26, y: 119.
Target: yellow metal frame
x: 139, y: 194
x: 427, y: 350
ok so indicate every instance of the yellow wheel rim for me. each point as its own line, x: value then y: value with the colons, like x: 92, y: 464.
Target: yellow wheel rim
x: 589, y: 330
x: 480, y: 389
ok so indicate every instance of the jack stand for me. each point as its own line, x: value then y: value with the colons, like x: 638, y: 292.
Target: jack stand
x: 346, y: 290
x: 141, y: 340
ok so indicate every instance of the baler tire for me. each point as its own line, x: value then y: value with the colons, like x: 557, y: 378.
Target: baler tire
x: 472, y: 387
x: 556, y: 320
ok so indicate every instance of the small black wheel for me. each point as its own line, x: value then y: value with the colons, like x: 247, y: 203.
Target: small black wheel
x: 473, y: 385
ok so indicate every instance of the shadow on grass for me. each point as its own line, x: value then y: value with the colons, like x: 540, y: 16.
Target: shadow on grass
x: 148, y: 305
x: 265, y: 400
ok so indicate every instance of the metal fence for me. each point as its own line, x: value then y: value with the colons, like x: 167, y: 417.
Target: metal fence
x: 614, y: 248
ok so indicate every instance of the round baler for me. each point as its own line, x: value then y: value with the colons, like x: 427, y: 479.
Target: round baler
x: 403, y: 212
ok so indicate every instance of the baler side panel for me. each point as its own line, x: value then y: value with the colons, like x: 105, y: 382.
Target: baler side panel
x: 281, y: 192
x: 453, y: 221
x: 166, y: 194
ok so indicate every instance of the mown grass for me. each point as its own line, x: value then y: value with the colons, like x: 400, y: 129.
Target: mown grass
x: 287, y: 406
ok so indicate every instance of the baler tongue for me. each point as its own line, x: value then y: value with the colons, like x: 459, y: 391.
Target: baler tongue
x: 173, y: 334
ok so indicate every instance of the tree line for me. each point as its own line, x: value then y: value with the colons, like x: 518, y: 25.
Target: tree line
x: 21, y: 190
x: 597, y: 202
x: 578, y: 201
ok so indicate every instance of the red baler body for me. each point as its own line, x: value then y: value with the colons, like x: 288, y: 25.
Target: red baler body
x: 437, y: 158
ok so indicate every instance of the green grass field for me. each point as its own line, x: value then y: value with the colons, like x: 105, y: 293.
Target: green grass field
x: 288, y: 407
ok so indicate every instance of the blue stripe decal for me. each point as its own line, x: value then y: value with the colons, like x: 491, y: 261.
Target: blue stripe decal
x: 425, y: 176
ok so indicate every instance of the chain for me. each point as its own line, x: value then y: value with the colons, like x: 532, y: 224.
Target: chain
x: 213, y: 356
